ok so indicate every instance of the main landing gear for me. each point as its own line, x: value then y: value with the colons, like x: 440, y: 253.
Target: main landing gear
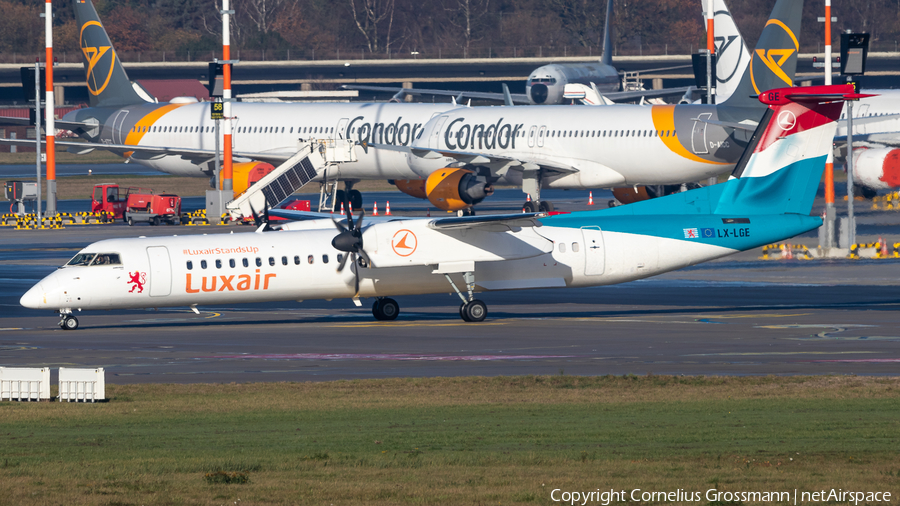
x: 385, y: 309
x: 67, y: 321
x: 472, y: 309
x: 543, y: 206
x: 531, y: 186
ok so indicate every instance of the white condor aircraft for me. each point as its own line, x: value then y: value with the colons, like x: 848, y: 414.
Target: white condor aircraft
x: 465, y: 151
x: 768, y: 199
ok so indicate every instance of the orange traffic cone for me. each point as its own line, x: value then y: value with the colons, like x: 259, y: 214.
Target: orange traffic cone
x: 884, y: 250
x: 342, y: 208
x: 788, y: 253
x: 388, y: 211
x: 350, y: 207
x: 428, y: 213
x: 528, y: 197
x: 375, y: 210
x: 590, y: 198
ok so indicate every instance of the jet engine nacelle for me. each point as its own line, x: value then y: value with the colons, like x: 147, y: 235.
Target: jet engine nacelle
x: 877, y: 169
x: 453, y: 189
x: 412, y: 187
x: 245, y: 175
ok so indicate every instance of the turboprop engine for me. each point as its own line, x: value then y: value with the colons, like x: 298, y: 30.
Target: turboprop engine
x: 877, y: 168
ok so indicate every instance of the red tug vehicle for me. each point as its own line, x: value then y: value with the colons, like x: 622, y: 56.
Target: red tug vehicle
x: 136, y: 205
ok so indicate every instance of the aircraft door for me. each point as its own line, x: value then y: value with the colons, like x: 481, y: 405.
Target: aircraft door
x: 117, y: 134
x: 339, y: 131
x: 698, y: 135
x: 435, y: 137
x: 160, y: 271
x: 531, y: 136
x: 860, y: 128
x: 594, y: 251
x: 540, y: 138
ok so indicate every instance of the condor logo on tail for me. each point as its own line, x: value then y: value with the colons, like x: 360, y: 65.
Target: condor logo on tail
x: 99, y: 59
x: 774, y: 59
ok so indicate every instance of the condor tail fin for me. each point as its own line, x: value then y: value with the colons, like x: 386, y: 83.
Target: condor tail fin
x: 781, y: 167
x: 773, y: 63
x: 107, y: 82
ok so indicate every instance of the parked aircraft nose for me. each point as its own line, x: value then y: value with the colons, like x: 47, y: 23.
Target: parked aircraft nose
x: 539, y: 93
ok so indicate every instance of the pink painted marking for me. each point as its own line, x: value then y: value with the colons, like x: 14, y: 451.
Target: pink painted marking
x: 387, y: 356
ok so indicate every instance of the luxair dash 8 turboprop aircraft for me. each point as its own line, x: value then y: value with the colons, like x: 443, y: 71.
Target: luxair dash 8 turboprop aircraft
x: 767, y: 199
x: 179, y: 137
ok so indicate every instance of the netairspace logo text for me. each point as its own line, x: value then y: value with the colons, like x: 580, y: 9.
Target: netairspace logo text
x: 607, y: 497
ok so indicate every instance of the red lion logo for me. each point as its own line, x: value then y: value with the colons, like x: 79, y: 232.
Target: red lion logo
x: 137, y: 281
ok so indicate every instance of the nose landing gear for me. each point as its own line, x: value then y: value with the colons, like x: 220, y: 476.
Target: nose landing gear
x: 67, y: 321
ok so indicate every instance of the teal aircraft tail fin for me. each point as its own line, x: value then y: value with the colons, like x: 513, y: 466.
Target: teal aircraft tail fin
x: 107, y: 82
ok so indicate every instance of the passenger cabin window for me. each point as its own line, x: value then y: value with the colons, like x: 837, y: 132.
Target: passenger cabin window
x: 310, y: 259
x: 258, y: 262
x: 284, y: 261
x: 562, y: 247
x: 324, y: 259
x: 245, y: 262
x: 190, y: 265
x: 231, y: 263
x: 296, y: 259
x: 272, y: 261
x: 218, y: 263
x: 574, y: 247
x: 203, y: 264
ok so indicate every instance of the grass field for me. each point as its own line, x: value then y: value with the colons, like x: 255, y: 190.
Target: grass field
x: 506, y: 440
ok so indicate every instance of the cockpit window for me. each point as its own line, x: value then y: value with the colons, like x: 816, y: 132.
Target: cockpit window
x: 83, y: 259
x: 107, y: 259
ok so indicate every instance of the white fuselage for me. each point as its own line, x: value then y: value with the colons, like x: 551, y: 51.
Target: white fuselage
x: 299, y: 265
x: 270, y: 128
x: 615, y: 145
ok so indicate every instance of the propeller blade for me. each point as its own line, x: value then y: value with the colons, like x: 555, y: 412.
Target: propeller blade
x: 356, y: 276
x: 343, y: 262
x: 340, y: 226
x: 365, y: 256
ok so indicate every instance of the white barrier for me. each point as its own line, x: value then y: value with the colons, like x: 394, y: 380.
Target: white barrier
x: 25, y: 383
x: 82, y: 384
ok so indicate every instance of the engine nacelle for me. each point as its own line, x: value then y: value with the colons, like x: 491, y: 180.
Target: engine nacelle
x: 411, y: 187
x: 243, y: 175
x: 453, y: 189
x: 877, y: 169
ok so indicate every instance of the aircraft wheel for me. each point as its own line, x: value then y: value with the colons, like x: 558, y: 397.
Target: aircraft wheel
x: 469, y: 211
x: 69, y: 323
x: 546, y: 206
x: 155, y: 221
x: 130, y: 221
x: 356, y: 199
x: 462, y: 312
x: 474, y: 311
x: 529, y: 207
x: 385, y: 309
x: 339, y: 198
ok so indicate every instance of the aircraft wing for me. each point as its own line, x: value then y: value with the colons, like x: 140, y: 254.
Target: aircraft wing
x: 153, y: 152
x: 517, y: 98
x: 621, y: 96
x: 67, y: 125
x: 488, y: 221
x: 494, y: 162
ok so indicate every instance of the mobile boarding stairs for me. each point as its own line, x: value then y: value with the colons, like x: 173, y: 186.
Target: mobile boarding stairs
x: 313, y: 158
